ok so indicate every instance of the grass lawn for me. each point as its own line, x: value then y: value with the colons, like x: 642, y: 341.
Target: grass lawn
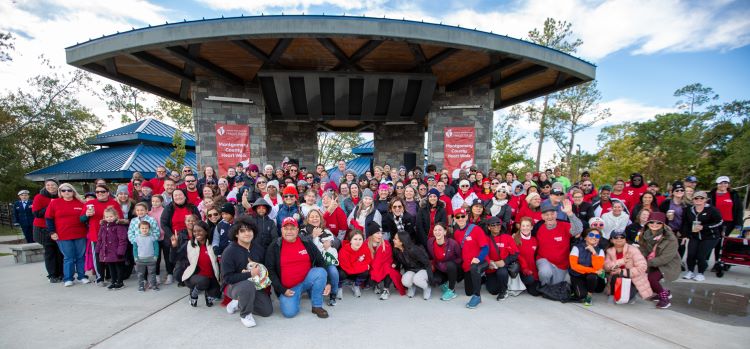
x: 8, y: 230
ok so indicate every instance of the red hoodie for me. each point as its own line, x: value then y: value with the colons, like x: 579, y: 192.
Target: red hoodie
x: 527, y: 256
x: 354, y: 262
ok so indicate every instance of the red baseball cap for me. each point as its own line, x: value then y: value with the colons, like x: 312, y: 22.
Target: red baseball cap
x: 460, y: 211
x: 289, y: 220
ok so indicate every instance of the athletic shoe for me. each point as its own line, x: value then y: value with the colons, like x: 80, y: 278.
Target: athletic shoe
x: 699, y: 277
x: 118, y: 286
x: 141, y: 288
x: 385, y: 294
x: 378, y: 289
x: 664, y: 304
x: 340, y: 293
x: 194, y: 301
x: 210, y: 301
x: 248, y: 320
x: 155, y: 288
x: 654, y: 298
x: 474, y: 302
x: 587, y: 301
x: 170, y: 279
x: 233, y: 306
x: 688, y: 275
x: 68, y: 283
x: 502, y: 296
x: 111, y: 286
x: 427, y: 293
x: 357, y: 291
x: 411, y: 291
x: 55, y: 280
x: 84, y: 281
x: 320, y: 312
x: 448, y: 295
x: 332, y: 301
x: 444, y: 287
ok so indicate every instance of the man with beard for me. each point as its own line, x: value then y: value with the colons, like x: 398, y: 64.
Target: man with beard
x: 634, y: 189
x: 191, y: 186
x: 603, y: 203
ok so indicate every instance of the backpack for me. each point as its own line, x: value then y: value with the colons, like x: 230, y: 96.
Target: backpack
x: 557, y: 292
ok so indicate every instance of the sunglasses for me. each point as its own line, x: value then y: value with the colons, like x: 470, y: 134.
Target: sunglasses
x: 261, y: 182
x: 594, y: 235
x: 399, y: 187
x: 495, y: 183
x: 186, y: 171
x: 422, y: 189
x: 597, y: 224
x: 193, y: 181
x: 495, y: 225
x: 655, y: 222
x: 66, y: 190
x: 618, y: 237
x: 461, y: 216
x: 101, y: 191
x: 397, y: 206
x: 464, y: 186
x: 213, y: 215
x: 289, y: 196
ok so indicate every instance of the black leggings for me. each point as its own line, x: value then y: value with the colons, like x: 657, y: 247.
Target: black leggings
x: 354, y: 277
x: 117, y: 271
x: 532, y: 285
x: 698, y: 253
x: 726, y: 229
x: 162, y: 252
x: 450, y: 275
x: 202, y: 283
x: 497, y: 282
x: 587, y: 283
x: 473, y: 279
x: 166, y: 245
x: 53, y: 258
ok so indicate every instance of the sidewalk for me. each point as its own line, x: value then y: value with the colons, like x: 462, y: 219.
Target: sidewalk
x: 41, y: 315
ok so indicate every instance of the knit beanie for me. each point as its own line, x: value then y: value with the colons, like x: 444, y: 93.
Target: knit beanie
x: 433, y: 191
x: 122, y: 188
x: 290, y: 190
x: 367, y: 192
x: 228, y: 208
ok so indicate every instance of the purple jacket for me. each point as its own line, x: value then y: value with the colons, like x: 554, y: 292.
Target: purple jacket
x: 112, y: 243
x: 452, y: 253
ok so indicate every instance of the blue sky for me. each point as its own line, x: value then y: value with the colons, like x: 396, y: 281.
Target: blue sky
x: 644, y: 50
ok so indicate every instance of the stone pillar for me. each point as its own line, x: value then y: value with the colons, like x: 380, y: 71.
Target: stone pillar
x: 207, y: 113
x: 392, y: 141
x: 480, y: 118
x: 296, y: 140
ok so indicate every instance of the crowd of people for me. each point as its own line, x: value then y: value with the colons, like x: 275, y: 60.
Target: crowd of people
x: 251, y: 235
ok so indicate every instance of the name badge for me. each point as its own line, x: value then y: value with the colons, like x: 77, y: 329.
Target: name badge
x: 558, y: 239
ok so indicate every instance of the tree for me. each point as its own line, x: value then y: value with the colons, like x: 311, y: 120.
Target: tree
x: 334, y: 146
x: 508, y: 147
x: 694, y: 95
x: 180, y: 114
x: 576, y: 109
x: 127, y: 101
x: 177, y: 157
x: 555, y: 34
x: 6, y: 46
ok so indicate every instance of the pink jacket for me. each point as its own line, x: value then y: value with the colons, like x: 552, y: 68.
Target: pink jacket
x: 635, y: 263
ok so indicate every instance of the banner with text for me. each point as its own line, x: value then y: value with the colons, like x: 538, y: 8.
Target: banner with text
x: 458, y: 151
x: 232, y: 146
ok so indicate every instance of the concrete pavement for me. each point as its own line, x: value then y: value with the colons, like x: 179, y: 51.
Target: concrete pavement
x: 37, y: 314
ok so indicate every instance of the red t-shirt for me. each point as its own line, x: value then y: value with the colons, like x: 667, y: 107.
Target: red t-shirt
x: 622, y: 197
x: 525, y: 211
x: 606, y: 207
x: 335, y: 221
x: 295, y: 263
x: 725, y: 206
x: 470, y: 245
x: 439, y: 251
x: 448, y: 206
x: 158, y: 185
x: 67, y: 216
x: 633, y: 195
x: 505, y: 246
x: 554, y: 244
x: 39, y: 203
x: 96, y: 219
x: 205, y: 268
x: 527, y: 256
x: 193, y: 197
x: 178, y: 217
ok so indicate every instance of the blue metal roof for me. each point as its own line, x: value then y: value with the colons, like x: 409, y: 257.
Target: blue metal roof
x: 364, y: 148
x: 359, y: 165
x: 113, y: 163
x: 147, y: 130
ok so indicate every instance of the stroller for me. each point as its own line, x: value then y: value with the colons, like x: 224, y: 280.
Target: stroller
x: 735, y: 250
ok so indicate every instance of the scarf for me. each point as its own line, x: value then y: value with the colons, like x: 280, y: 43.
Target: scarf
x: 497, y: 205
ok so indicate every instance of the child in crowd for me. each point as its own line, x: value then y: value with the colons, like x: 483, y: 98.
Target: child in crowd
x: 111, y: 247
x: 331, y: 256
x: 145, y: 251
x: 221, y: 235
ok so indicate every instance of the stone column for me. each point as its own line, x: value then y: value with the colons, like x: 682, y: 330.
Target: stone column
x: 478, y: 117
x: 296, y: 140
x: 207, y: 113
x: 392, y: 141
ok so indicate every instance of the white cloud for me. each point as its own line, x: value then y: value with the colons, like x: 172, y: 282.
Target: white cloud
x: 626, y: 110
x: 293, y: 5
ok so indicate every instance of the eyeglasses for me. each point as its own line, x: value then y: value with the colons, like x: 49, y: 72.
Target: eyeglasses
x: 699, y: 198
x: 101, y: 192
x: 460, y: 216
x: 190, y: 181
x: 618, y: 237
x: 594, y: 235
x: 161, y: 171
x: 397, y: 206
x: 464, y: 186
x: 261, y: 182
x: 310, y: 177
x: 66, y: 190
x: 136, y: 184
x: 679, y: 191
x: 655, y: 222
x: 289, y: 196
x: 422, y: 189
x: 495, y: 183
x: 399, y: 187
x: 213, y: 214
x: 292, y: 170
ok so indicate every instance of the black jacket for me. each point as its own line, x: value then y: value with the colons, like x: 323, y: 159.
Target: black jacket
x: 266, y: 230
x: 413, y: 259
x: 736, y: 205
x: 273, y: 262
x: 423, y: 220
x: 583, y: 212
x: 234, y: 259
x: 505, y: 213
x: 631, y: 231
x: 710, y: 219
x: 21, y: 215
x: 410, y: 226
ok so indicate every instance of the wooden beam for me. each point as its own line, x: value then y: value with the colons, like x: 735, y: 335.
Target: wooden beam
x: 520, y: 75
x: 252, y: 50
x: 481, y: 73
x: 398, y: 95
x: 369, y: 96
x: 284, y: 95
x: 110, y: 65
x: 341, y: 97
x: 344, y: 61
x: 193, y: 50
x: 439, y: 57
x: 424, y: 101
x: 278, y: 50
x: 162, y: 65
x: 129, y: 80
x: 365, y: 50
x: 183, y: 54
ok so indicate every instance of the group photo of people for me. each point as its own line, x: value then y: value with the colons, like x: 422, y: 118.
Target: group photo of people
x: 286, y: 232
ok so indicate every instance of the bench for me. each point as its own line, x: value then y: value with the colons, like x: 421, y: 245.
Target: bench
x: 28, y: 253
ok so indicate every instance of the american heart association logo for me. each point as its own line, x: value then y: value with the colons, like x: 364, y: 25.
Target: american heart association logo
x: 449, y: 133
x: 221, y: 131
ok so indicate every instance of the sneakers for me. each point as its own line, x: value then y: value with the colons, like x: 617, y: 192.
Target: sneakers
x: 332, y: 301
x: 248, y: 320
x: 502, y: 296
x: 340, y: 294
x: 664, y: 302
x: 54, y: 280
x: 378, y: 289
x: 699, y: 277
x: 653, y: 298
x: 209, y: 301
x: 155, y: 288
x: 141, y: 288
x: 170, y: 279
x: 587, y: 300
x: 385, y: 294
x: 357, y: 291
x: 411, y: 291
x: 233, y: 306
x: 688, y: 275
x: 84, y: 281
x: 68, y: 283
x: 111, y: 286
x: 118, y: 286
x: 474, y: 302
x: 320, y: 312
x: 194, y: 301
x: 427, y: 293
x: 448, y: 295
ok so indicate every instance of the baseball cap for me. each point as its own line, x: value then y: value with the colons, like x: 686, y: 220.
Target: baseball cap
x: 289, y: 220
x: 722, y: 179
x: 23, y: 192
x: 700, y: 194
x: 691, y: 179
x: 459, y: 212
x: 546, y: 207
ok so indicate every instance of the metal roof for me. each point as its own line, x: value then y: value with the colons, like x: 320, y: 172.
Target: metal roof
x: 364, y: 148
x: 113, y: 163
x: 359, y: 165
x: 144, y: 131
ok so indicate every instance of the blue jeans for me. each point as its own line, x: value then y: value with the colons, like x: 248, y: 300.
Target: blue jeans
x: 73, y: 261
x: 333, y: 278
x: 314, y: 283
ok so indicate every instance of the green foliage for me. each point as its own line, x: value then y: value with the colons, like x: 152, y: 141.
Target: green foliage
x: 126, y: 101
x: 508, y: 147
x: 737, y: 160
x: 694, y: 95
x: 334, y: 146
x: 177, y: 157
x: 6, y: 46
x: 41, y: 125
x: 180, y: 114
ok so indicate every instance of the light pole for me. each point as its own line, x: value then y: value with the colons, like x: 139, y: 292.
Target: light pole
x: 578, y: 167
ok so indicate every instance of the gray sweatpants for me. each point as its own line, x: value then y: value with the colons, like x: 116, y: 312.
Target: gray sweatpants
x: 418, y: 279
x: 549, y: 274
x: 250, y: 299
x: 141, y: 269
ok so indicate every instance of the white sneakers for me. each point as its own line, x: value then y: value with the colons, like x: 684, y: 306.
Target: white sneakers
x: 340, y: 293
x: 699, y: 277
x: 357, y: 291
x: 384, y: 294
x: 411, y: 291
x: 427, y: 293
x: 233, y: 306
x: 170, y: 279
x: 248, y: 321
x: 68, y: 283
x: 689, y: 275
x: 84, y: 281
